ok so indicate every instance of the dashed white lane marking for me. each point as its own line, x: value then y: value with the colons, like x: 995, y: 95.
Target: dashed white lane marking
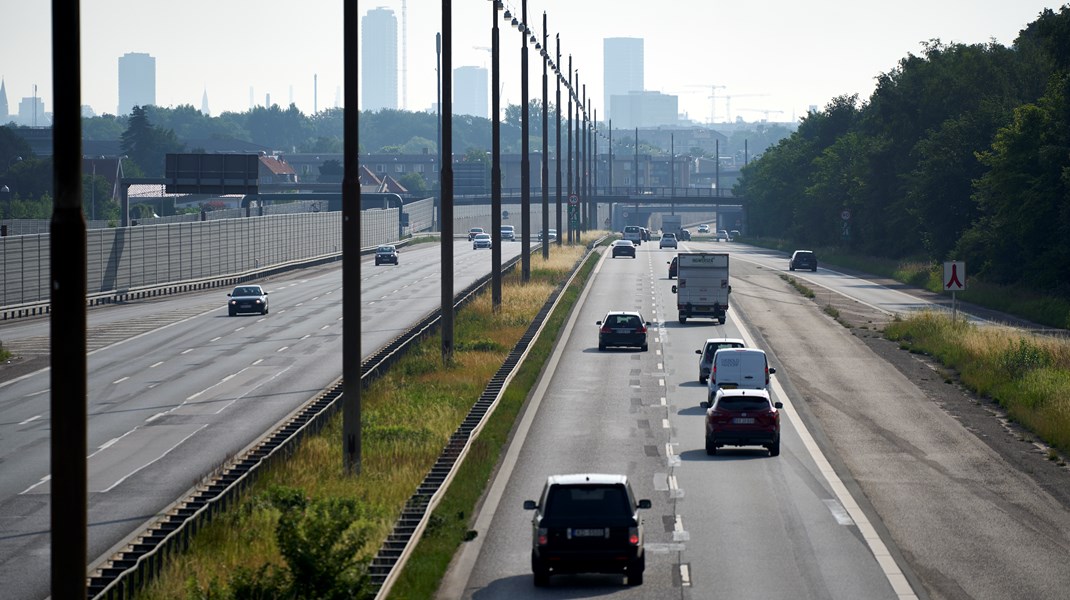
x: 679, y: 534
x: 30, y: 420
x: 282, y: 349
x: 685, y: 576
x: 661, y: 382
x: 187, y: 351
x: 665, y: 424
x: 153, y: 366
x: 119, y: 380
x: 215, y: 339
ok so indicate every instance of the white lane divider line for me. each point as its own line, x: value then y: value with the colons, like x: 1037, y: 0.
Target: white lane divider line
x: 685, y: 575
x: 215, y: 339
x: 119, y: 380
x: 665, y: 424
x: 282, y: 349
x: 153, y: 366
x: 44, y: 480
x: 838, y: 512
x: 679, y: 534
x: 165, y: 453
x: 674, y: 488
x: 30, y: 420
x: 186, y: 351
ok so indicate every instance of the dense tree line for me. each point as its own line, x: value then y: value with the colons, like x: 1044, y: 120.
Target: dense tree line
x: 961, y: 152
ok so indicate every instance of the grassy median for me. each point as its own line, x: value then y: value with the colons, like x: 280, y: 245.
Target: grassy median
x: 306, y: 530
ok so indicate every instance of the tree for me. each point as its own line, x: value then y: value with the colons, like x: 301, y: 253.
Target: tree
x: 147, y: 145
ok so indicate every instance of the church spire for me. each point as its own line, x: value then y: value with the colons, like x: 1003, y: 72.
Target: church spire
x: 3, y: 103
x: 204, y: 104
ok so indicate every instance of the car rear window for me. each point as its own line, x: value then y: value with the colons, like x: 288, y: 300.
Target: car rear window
x: 742, y: 403
x: 624, y: 321
x: 587, y: 501
x: 712, y: 348
x: 246, y: 291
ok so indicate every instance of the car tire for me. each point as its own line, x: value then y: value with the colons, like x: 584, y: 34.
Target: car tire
x: 721, y: 320
x: 636, y: 578
x: 233, y: 313
x: 711, y: 448
x: 601, y: 347
x: 644, y: 347
x: 683, y: 320
x: 814, y: 269
x: 702, y: 380
x: 791, y: 267
x: 265, y: 311
x: 774, y: 448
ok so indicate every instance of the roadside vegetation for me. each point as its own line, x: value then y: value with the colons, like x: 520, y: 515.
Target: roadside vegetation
x: 1028, y: 375
x: 304, y: 530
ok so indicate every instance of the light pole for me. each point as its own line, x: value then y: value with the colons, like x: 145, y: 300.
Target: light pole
x: 525, y: 169
x: 6, y: 192
x: 557, y: 154
x: 571, y: 211
x: 496, y: 164
x: 545, y: 150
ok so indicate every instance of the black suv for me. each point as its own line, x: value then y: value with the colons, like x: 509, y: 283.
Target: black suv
x: 803, y: 259
x: 386, y: 254
x: 587, y: 523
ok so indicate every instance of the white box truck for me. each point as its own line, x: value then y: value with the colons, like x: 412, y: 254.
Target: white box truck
x: 702, y: 285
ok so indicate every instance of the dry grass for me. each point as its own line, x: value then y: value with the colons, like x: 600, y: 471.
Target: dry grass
x: 407, y: 417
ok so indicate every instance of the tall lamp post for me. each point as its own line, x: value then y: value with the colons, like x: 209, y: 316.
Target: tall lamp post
x: 545, y: 148
x: 496, y: 163
x: 525, y: 168
x: 571, y: 211
x: 557, y: 154
x: 6, y: 193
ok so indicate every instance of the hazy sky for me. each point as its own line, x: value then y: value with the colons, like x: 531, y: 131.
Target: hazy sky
x: 772, y: 55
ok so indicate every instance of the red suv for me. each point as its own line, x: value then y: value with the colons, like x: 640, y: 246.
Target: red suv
x: 743, y: 418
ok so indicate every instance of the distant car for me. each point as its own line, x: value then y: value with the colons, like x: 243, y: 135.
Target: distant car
x: 634, y: 233
x: 735, y: 234
x: 646, y: 234
x: 587, y: 523
x: 684, y: 235
x: 743, y: 418
x: 674, y: 266
x: 668, y: 240
x: 508, y: 233
x: 473, y: 232
x: 622, y: 328
x: 711, y: 346
x: 802, y: 259
x: 386, y: 254
x: 553, y: 235
x: 482, y: 240
x: 247, y: 299
x: 722, y: 236
x: 703, y: 228
x: 623, y: 248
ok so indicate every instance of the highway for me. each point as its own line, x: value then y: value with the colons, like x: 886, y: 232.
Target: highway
x: 176, y: 387
x: 880, y: 490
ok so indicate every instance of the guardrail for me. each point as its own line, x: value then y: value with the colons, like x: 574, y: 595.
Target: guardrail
x: 141, y: 557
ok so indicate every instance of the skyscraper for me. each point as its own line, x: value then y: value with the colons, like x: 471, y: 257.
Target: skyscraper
x: 137, y: 81
x: 622, y: 60
x: 379, y: 60
x: 3, y: 103
x: 470, y: 91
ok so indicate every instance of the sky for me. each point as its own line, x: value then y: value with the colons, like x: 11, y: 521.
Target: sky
x: 774, y: 58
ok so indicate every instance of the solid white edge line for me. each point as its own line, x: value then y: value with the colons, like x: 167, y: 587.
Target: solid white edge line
x: 887, y: 563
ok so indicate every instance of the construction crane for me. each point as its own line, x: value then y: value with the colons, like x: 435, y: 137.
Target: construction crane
x: 728, y: 102
x: 766, y: 112
x: 712, y: 98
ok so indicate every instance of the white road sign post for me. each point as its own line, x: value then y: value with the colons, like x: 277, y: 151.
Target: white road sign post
x: 954, y: 281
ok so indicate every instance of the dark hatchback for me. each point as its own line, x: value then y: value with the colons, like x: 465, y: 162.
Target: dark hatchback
x: 803, y: 259
x: 587, y: 523
x: 623, y: 248
x: 248, y: 299
x: 673, y: 266
x: 620, y: 328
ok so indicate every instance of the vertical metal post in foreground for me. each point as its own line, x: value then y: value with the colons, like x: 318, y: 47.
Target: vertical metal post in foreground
x: 446, y: 179
x: 68, y: 400
x: 525, y: 165
x: 571, y: 229
x: 557, y: 154
x: 495, y: 164
x: 351, y: 329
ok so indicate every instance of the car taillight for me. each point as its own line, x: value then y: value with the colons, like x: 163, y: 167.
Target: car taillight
x: 719, y: 416
x: 544, y: 536
x: 633, y: 536
x: 605, y: 330
x: 641, y: 330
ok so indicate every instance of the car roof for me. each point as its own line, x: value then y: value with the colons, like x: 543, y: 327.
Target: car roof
x: 585, y: 478
x: 624, y: 312
x: 386, y: 247
x: 724, y: 340
x: 623, y: 243
x: 748, y: 350
x: 743, y: 392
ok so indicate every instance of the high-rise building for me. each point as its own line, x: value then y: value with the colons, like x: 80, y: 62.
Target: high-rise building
x: 3, y: 103
x: 470, y: 91
x: 137, y: 81
x: 379, y: 60
x: 622, y: 60
x: 644, y: 109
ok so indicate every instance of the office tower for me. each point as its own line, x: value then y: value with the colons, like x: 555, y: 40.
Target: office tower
x: 379, y: 60
x: 137, y: 81
x: 470, y: 91
x: 622, y: 60
x: 3, y: 103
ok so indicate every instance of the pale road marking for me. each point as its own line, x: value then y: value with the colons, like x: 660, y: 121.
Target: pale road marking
x: 119, y: 380
x: 239, y: 329
x: 186, y: 351
x: 658, y: 352
x: 107, y: 444
x: 661, y: 482
x: 665, y: 424
x: 44, y: 480
x: 110, y: 443
x: 316, y: 298
x: 685, y: 576
x: 257, y: 361
x: 227, y: 378
x: 324, y: 327
x: 661, y: 382
x: 679, y: 534
x: 282, y: 349
x: 215, y: 339
x: 668, y: 449
x: 154, y: 417
x: 662, y: 402
x: 44, y: 391
x: 251, y: 390
x: 661, y: 366
x: 30, y: 420
x: 298, y: 304
x: 838, y: 512
x: 884, y: 558
x: 166, y: 452
x: 306, y: 336
x: 153, y: 366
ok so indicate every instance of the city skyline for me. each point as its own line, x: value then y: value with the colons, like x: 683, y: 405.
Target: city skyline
x: 782, y: 56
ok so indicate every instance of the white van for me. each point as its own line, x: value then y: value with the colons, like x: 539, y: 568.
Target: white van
x: 739, y: 368
x: 634, y: 233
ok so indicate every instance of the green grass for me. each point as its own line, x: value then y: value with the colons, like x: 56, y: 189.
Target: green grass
x: 799, y: 287
x: 407, y: 417
x: 1027, y: 375
x: 1034, y: 305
